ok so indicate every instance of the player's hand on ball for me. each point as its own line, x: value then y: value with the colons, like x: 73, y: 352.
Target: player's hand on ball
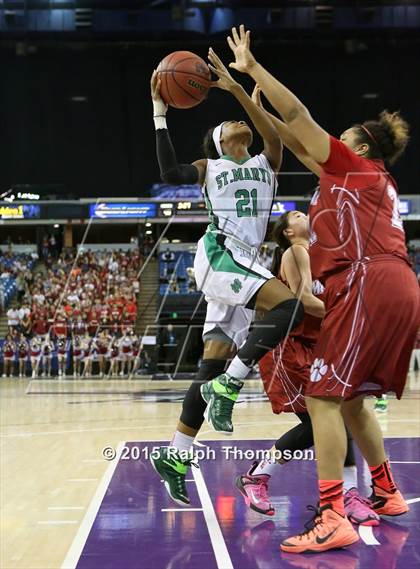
x: 225, y: 81
x: 159, y: 105
x: 239, y: 44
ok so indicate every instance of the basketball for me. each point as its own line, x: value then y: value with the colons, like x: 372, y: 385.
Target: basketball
x: 185, y: 79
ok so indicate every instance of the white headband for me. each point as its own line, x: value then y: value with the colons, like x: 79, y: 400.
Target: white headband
x: 216, y: 138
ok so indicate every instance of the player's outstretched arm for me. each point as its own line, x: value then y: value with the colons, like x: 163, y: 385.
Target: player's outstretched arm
x: 289, y: 139
x: 294, y: 113
x: 272, y: 144
x: 171, y: 171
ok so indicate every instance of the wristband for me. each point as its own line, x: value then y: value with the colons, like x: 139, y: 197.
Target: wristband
x: 160, y: 121
x: 159, y: 108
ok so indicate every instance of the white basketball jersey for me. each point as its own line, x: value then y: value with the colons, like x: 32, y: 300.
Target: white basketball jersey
x: 239, y: 197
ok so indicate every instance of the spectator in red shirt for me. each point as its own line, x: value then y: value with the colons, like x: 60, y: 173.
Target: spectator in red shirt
x: 131, y: 307
x: 40, y: 325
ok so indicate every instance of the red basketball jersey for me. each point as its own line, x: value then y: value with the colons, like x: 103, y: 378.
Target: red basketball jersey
x: 354, y: 214
x: 308, y: 330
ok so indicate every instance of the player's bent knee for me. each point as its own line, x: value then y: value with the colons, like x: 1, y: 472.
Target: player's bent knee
x: 352, y: 407
x: 271, y: 294
x: 217, y: 346
x: 289, y: 312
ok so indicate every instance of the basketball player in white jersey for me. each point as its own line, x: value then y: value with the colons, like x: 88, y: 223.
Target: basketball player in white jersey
x: 239, y: 191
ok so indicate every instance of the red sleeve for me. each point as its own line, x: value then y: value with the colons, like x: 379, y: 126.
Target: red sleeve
x: 341, y: 159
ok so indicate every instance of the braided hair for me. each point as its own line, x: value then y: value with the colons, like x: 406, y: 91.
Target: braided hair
x: 209, y: 148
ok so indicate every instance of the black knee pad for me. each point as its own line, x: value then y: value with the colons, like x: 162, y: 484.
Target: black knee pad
x: 193, y: 406
x: 269, y: 332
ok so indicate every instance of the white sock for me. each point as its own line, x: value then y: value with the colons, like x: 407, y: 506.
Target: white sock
x: 265, y: 466
x: 349, y: 477
x: 238, y: 369
x: 182, y: 442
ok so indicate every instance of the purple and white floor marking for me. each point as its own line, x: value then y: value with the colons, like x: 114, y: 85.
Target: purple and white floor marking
x: 132, y: 523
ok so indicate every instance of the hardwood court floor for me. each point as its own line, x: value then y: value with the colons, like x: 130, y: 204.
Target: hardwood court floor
x: 53, y: 434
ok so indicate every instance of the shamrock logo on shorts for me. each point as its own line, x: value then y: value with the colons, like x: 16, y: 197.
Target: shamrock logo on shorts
x: 236, y: 286
x: 318, y: 369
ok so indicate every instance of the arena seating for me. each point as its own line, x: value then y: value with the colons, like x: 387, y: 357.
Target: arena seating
x: 10, y: 267
x: 72, y: 296
x: 7, y: 291
x: 176, y: 269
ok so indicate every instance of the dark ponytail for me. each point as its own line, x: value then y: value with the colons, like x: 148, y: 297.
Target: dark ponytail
x: 276, y: 262
x: 209, y: 148
x: 387, y: 137
x: 283, y: 243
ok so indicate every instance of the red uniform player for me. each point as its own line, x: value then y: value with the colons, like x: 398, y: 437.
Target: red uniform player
x: 285, y: 371
x: 371, y: 296
x: 372, y: 299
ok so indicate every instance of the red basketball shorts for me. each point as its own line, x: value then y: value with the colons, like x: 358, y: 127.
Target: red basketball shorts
x: 368, y: 333
x: 285, y: 372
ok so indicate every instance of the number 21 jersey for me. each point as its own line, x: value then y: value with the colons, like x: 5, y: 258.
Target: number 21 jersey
x: 239, y: 197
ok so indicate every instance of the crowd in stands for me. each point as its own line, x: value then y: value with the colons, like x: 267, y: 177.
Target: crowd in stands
x: 76, y: 313
x: 15, y: 275
x: 79, y: 310
x: 176, y: 272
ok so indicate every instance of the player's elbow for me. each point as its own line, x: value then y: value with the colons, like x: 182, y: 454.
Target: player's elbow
x: 172, y: 176
x: 275, y: 142
x: 299, y: 110
x: 182, y: 174
x: 273, y: 150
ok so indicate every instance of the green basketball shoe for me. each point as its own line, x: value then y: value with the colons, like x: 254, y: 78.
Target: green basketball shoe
x: 220, y: 395
x: 172, y: 469
x: 381, y: 404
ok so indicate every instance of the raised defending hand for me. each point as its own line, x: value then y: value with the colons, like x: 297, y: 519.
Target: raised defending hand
x: 225, y: 81
x: 256, y: 96
x: 159, y: 105
x: 239, y: 44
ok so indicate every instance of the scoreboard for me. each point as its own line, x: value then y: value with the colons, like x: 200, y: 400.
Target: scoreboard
x: 193, y: 208
x: 190, y: 208
x: 128, y: 210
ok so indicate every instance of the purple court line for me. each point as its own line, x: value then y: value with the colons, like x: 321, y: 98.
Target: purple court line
x: 129, y: 530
